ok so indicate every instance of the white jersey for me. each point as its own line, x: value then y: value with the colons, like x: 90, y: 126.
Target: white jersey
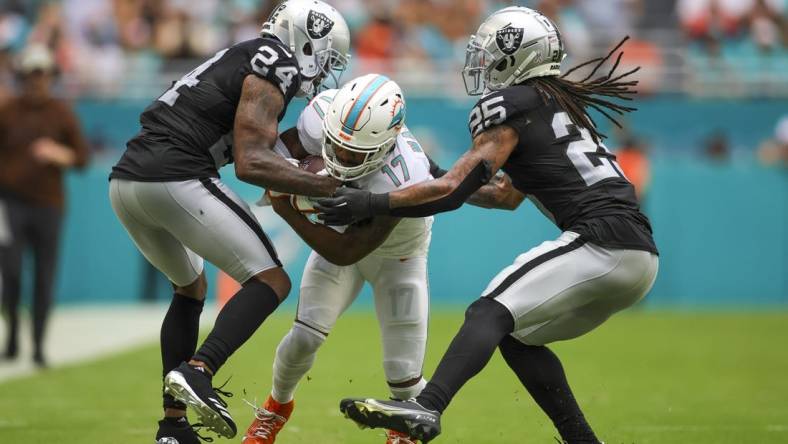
x: 404, y: 166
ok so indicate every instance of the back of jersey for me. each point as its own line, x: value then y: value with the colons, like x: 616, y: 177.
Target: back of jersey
x: 180, y: 130
x: 573, y: 180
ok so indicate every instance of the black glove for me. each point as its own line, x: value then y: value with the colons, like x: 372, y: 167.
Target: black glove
x: 350, y: 205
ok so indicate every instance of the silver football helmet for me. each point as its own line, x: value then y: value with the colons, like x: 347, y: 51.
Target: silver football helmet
x: 317, y: 35
x: 512, y: 45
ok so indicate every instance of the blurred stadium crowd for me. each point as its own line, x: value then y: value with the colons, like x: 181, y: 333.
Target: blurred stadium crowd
x: 131, y: 47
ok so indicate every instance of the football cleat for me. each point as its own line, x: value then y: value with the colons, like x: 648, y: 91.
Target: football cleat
x: 407, y: 417
x: 395, y: 437
x: 269, y: 420
x: 178, y: 431
x: 192, y: 386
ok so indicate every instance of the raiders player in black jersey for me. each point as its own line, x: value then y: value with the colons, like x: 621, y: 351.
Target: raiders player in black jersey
x: 533, y: 125
x: 166, y: 192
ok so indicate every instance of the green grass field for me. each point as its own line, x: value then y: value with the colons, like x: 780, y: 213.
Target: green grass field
x: 642, y: 378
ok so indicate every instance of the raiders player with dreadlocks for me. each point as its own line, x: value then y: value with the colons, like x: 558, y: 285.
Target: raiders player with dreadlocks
x: 534, y: 125
x: 167, y: 194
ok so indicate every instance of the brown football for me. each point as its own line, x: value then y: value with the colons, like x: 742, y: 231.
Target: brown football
x: 313, y: 164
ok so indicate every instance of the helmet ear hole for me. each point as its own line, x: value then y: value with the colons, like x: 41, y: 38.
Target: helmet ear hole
x: 502, y: 65
x: 307, y: 49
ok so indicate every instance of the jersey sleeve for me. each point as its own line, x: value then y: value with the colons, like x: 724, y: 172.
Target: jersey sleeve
x: 310, y: 122
x: 274, y: 63
x: 508, y: 106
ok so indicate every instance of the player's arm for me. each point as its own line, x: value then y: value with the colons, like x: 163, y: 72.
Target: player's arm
x: 338, y: 248
x: 255, y: 132
x: 499, y: 194
x: 293, y: 143
x: 491, y: 148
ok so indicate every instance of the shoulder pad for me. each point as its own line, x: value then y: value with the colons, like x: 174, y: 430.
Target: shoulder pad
x: 271, y: 61
x: 310, y: 122
x: 500, y: 106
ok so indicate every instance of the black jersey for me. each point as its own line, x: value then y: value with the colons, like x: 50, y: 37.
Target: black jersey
x: 185, y: 131
x: 574, y: 181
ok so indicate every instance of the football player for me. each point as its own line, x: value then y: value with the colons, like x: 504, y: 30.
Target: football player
x: 167, y: 194
x: 534, y: 124
x: 360, y: 132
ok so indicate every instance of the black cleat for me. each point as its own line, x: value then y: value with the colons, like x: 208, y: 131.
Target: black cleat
x: 407, y: 417
x: 192, y: 386
x: 178, y: 431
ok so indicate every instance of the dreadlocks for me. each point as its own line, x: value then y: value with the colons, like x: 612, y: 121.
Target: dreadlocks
x: 576, y: 97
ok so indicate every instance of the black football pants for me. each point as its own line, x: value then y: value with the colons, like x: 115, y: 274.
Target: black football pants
x: 26, y: 225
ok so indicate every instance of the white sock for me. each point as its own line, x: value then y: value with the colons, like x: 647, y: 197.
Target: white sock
x: 294, y: 357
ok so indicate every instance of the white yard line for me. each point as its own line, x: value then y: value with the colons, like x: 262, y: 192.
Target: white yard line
x: 82, y: 333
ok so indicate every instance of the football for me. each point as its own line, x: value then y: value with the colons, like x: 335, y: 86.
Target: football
x: 313, y: 164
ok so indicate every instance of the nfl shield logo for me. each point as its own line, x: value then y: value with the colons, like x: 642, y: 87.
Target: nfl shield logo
x: 509, y: 39
x: 318, y: 25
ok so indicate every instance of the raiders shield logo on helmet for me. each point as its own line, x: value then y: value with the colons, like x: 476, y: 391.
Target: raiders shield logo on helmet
x: 509, y: 39
x: 318, y: 25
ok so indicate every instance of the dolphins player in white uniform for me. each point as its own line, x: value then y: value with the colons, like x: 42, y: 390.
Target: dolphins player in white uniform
x: 360, y: 132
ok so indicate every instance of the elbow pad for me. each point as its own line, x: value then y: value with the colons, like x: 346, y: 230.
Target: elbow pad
x: 475, y: 179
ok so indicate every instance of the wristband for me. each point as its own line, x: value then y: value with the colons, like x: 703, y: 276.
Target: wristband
x: 379, y: 204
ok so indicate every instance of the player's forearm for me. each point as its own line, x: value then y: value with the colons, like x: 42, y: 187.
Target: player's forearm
x: 268, y: 170
x: 333, y: 246
x: 437, y: 196
x: 498, y: 194
x: 474, y: 169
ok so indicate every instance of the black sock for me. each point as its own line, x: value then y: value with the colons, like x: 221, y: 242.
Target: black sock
x: 486, y: 323
x: 540, y: 371
x: 179, y: 332
x: 236, y: 323
x: 176, y: 420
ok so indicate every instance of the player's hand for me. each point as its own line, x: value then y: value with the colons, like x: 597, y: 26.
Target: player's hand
x: 348, y: 205
x: 280, y: 203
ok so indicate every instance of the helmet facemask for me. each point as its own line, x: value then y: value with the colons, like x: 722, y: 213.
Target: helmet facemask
x: 475, y: 74
x: 332, y: 64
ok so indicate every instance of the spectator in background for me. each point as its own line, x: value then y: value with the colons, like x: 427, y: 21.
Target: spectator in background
x: 710, y: 21
x: 774, y: 152
x: 634, y: 161
x: 376, y: 42
x: 39, y: 139
x: 718, y: 148
x: 767, y: 25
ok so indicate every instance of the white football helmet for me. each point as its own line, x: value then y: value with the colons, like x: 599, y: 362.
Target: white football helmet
x: 365, y: 117
x: 317, y: 35
x: 512, y: 45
